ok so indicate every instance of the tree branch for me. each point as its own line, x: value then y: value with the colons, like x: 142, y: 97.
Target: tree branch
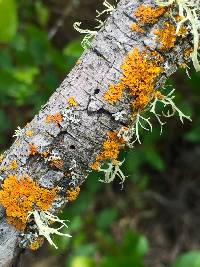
x: 57, y: 148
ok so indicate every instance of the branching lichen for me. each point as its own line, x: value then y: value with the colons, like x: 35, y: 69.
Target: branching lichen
x: 188, y: 11
x: 43, y: 219
x: 90, y: 34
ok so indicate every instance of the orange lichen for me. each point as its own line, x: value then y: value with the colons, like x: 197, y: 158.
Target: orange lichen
x: 95, y: 166
x: 136, y: 27
x: 29, y: 133
x: 1, y: 158
x: 58, y: 163
x: 20, y: 196
x: 147, y: 14
x: 36, y: 244
x: 141, y: 101
x: 166, y: 36
x: 3, y: 168
x: 114, y: 93
x: 73, y: 193
x: 57, y: 118
x: 159, y: 95
x: 72, y: 101
x: 110, y: 150
x: 45, y: 153
x: 13, y: 165
x: 33, y: 150
x: 140, y: 73
x: 183, y: 31
x: 188, y: 52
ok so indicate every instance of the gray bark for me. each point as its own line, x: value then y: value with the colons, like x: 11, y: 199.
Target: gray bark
x: 80, y: 141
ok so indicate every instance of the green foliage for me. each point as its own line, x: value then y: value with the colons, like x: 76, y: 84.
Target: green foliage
x: 130, y: 253
x: 189, y: 259
x: 8, y: 20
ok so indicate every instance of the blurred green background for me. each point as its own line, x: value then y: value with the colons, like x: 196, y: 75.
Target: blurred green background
x: 154, y: 221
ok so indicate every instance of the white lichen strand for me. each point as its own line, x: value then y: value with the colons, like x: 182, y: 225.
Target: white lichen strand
x: 88, y: 37
x: 112, y: 172
x: 141, y: 122
x: 189, y: 11
x: 131, y: 134
x: 18, y: 132
x: 89, y: 34
x: 168, y: 102
x: 42, y: 220
x: 109, y: 9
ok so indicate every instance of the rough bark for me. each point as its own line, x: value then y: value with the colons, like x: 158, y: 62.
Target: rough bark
x: 80, y: 142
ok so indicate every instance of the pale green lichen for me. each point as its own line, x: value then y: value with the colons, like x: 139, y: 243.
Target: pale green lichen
x: 43, y: 219
x: 188, y: 11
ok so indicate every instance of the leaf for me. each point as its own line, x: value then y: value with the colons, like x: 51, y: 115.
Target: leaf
x: 194, y: 135
x: 189, y: 259
x: 82, y: 261
x: 42, y: 13
x: 107, y: 217
x: 8, y: 20
x: 154, y: 159
x: 73, y: 49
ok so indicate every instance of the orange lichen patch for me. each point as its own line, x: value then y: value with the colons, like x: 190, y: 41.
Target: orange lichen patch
x: 72, y: 101
x: 45, y: 154
x: 141, y: 101
x: 29, y: 133
x: 140, y: 73
x: 73, y: 193
x: 183, y: 31
x: 3, y: 168
x: 58, y: 163
x: 1, y: 158
x: 33, y: 150
x: 57, y: 118
x: 37, y: 243
x: 166, y: 36
x: 18, y: 223
x: 95, y: 166
x: 78, y: 62
x: 136, y: 27
x: 13, y: 165
x: 20, y: 196
x: 188, y: 52
x: 149, y: 15
x: 114, y: 93
x: 110, y: 150
x: 159, y: 95
x: 179, y: 18
x: 183, y: 66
